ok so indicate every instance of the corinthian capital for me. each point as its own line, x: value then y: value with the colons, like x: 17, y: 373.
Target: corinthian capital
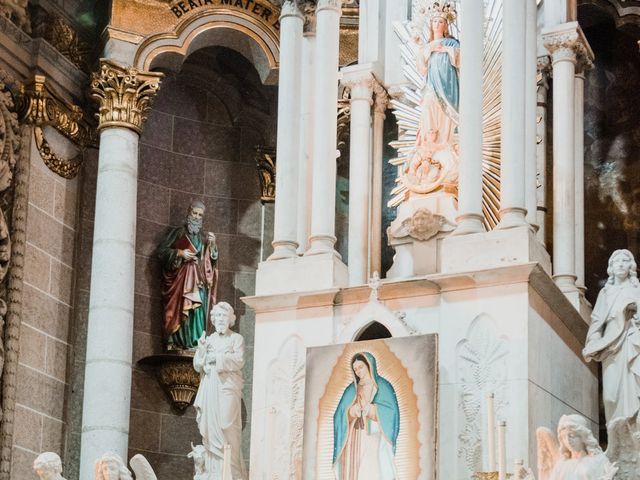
x: 567, y: 42
x: 124, y: 95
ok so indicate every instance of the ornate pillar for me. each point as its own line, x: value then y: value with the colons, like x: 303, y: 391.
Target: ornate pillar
x: 585, y: 63
x: 288, y: 142
x: 305, y: 183
x: 541, y: 147
x: 470, y: 178
x: 360, y: 81
x: 380, y: 106
x: 325, y: 123
x: 512, y: 184
x: 566, y: 43
x: 530, y: 99
x: 124, y: 96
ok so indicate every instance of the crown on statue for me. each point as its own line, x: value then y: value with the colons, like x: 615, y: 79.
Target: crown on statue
x: 442, y: 9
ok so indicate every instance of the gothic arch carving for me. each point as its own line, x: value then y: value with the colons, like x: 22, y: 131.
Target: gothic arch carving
x: 226, y: 28
x: 374, y: 311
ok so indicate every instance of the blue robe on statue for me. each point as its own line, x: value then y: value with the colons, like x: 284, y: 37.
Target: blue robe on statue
x: 363, y: 448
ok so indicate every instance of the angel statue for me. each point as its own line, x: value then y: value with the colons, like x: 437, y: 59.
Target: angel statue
x: 48, y: 466
x: 614, y: 338
x: 111, y: 467
x: 574, y: 455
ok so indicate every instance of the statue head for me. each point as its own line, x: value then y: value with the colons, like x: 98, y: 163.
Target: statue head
x: 575, y: 437
x: 222, y: 317
x: 194, y: 217
x: 440, y: 15
x: 48, y: 466
x: 621, y: 266
x: 111, y: 467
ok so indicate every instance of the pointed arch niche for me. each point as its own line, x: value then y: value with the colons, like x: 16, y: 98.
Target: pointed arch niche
x: 374, y: 321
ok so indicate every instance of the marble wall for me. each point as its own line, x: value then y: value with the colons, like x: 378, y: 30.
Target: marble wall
x: 47, y: 334
x: 198, y: 143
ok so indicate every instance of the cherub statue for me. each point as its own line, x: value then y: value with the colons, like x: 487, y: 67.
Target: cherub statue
x: 199, y: 455
x: 48, y: 466
x: 111, y: 467
x: 574, y: 455
x: 422, y: 225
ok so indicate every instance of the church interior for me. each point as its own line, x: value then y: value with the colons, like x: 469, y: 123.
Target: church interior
x: 319, y: 239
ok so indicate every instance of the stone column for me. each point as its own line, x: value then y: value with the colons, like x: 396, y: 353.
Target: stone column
x: 470, y: 177
x: 530, y: 99
x: 124, y: 96
x: 565, y: 43
x: 541, y: 147
x: 360, y: 82
x: 512, y: 181
x: 288, y: 142
x: 584, y: 64
x: 325, y: 123
x: 379, y: 109
x: 305, y: 179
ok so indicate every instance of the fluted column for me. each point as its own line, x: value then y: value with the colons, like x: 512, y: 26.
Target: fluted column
x: 288, y: 142
x: 530, y: 99
x: 380, y: 107
x: 470, y: 177
x: 360, y: 82
x: 565, y: 43
x: 584, y: 63
x: 305, y: 179
x: 541, y: 147
x: 325, y: 123
x: 512, y: 181
x: 124, y: 96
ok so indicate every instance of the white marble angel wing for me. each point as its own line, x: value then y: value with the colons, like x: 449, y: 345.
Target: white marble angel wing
x: 142, y: 468
x: 548, y: 452
x: 624, y: 447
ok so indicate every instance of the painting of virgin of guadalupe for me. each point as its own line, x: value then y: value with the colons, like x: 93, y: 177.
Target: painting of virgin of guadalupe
x: 370, y: 410
x: 366, y: 425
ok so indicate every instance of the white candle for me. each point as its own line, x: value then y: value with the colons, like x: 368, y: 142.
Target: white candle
x: 518, y: 466
x: 491, y: 433
x: 226, y: 463
x: 502, y: 450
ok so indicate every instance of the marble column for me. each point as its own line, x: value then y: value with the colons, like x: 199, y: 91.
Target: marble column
x: 288, y: 142
x: 565, y: 43
x: 541, y: 147
x: 305, y: 179
x: 470, y: 176
x: 359, y: 80
x: 325, y: 123
x: 380, y: 107
x: 124, y: 96
x: 530, y: 99
x: 512, y: 181
x: 584, y: 64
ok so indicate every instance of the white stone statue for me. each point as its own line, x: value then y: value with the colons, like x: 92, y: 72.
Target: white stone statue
x: 142, y: 468
x: 48, y: 466
x: 199, y: 455
x: 219, y: 359
x: 614, y: 338
x: 111, y: 467
x: 574, y: 455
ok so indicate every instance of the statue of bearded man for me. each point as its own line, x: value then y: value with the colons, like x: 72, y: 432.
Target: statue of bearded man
x: 190, y: 280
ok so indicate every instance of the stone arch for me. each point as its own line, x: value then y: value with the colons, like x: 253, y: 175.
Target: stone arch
x: 226, y: 28
x: 374, y: 312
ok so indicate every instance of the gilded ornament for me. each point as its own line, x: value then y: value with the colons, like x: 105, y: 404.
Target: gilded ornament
x: 177, y: 377
x: 63, y: 37
x: 16, y: 11
x: 39, y: 106
x: 266, y: 163
x: 124, y: 95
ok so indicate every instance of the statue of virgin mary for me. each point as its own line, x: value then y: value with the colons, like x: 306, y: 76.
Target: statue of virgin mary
x: 366, y: 424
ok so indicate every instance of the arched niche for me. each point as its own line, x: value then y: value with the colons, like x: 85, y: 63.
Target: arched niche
x: 373, y: 313
x: 373, y: 331
x: 230, y: 29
